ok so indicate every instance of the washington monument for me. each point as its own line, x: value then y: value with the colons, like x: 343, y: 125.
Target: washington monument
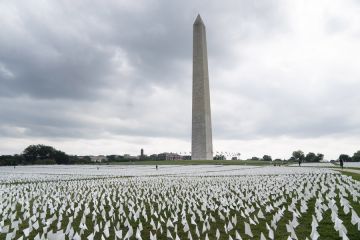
x: 201, y: 139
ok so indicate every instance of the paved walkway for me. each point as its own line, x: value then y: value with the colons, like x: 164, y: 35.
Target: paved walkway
x: 349, y: 170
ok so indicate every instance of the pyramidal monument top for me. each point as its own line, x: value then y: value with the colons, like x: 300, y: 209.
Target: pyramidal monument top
x: 198, y: 20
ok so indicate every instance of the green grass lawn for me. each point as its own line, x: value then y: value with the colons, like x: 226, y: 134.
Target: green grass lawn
x: 355, y: 176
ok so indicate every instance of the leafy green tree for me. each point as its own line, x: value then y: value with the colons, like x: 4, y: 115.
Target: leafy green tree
x: 345, y: 158
x: 85, y: 160
x: 298, y: 155
x: 41, y: 154
x: 111, y: 158
x: 267, y: 158
x: 310, y: 157
x: 356, y: 156
x: 31, y: 154
x: 11, y: 160
x: 319, y: 157
x: 6, y: 160
x: 219, y: 157
x: 61, y: 157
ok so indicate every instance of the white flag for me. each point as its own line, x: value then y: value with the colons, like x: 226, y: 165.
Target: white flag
x: 248, y: 229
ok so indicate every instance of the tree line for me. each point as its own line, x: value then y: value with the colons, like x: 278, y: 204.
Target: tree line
x: 311, y: 157
x: 301, y: 156
x: 40, y: 154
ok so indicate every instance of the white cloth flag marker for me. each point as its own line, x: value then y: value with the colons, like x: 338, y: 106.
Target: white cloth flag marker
x: 248, y: 229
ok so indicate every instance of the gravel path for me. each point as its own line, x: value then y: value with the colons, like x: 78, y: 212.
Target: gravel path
x: 350, y: 170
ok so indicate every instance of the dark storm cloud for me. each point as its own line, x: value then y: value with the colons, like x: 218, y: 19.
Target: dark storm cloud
x: 51, y: 57
x: 64, y: 50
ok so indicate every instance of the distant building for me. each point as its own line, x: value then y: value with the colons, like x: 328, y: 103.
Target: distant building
x: 169, y: 156
x: 153, y: 157
x: 100, y: 158
x: 141, y: 153
x: 234, y: 158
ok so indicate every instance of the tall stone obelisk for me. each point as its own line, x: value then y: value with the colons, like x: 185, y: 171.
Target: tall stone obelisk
x: 201, y: 139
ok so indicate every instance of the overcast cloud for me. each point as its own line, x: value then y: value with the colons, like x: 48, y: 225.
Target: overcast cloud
x: 112, y: 77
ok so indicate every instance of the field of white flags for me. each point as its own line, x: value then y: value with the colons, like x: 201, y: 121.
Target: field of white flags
x: 177, y: 202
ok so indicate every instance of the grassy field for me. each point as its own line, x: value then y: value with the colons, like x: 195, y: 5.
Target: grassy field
x: 354, y: 176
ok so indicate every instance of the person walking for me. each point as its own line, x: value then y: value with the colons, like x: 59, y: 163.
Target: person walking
x: 341, y: 163
x: 299, y: 162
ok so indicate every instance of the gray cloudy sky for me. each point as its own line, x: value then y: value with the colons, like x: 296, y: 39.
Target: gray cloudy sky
x: 110, y: 77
